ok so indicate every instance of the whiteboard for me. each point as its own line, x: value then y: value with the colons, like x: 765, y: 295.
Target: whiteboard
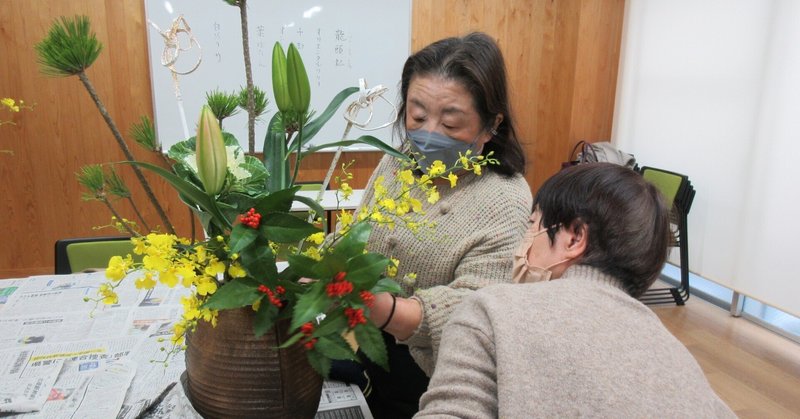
x: 340, y: 42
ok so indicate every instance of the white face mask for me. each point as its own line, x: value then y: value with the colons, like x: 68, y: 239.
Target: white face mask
x: 523, y: 272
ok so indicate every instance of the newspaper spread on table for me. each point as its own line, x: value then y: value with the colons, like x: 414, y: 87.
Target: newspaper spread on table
x: 60, y: 357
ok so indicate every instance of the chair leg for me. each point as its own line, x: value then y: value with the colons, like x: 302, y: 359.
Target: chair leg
x: 684, y: 257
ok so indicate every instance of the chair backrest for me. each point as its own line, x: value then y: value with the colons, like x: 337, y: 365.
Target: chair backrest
x: 675, y: 187
x: 78, y: 254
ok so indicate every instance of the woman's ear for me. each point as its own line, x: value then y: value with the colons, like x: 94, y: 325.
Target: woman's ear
x: 577, y: 238
x: 497, y: 121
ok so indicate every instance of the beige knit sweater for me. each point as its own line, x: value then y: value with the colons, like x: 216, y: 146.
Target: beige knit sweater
x: 479, y: 223
x: 577, y: 346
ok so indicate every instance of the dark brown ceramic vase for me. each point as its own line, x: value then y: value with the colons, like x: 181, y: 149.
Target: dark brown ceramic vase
x: 233, y: 374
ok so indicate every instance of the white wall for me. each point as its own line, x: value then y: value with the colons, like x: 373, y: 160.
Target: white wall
x: 711, y: 89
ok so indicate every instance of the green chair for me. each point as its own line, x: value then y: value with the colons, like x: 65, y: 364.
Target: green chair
x: 79, y: 254
x: 679, y: 193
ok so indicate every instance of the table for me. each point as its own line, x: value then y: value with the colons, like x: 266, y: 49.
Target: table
x: 330, y: 201
x: 61, y: 358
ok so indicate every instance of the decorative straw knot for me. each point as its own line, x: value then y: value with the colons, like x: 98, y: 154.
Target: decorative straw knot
x: 365, y: 101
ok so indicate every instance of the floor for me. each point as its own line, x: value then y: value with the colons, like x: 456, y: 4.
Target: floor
x: 754, y: 370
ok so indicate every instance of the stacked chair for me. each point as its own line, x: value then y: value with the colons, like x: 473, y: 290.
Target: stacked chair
x: 679, y: 192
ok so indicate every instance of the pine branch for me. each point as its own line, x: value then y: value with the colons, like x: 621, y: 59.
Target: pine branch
x: 124, y: 147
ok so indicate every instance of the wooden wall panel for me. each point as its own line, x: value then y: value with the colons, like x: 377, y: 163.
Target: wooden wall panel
x: 561, y: 56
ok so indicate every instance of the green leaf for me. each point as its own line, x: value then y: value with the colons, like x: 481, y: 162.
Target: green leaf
x: 234, y: 294
x: 259, y: 261
x: 364, y: 139
x: 277, y: 201
x: 370, y: 341
x: 312, y: 128
x: 291, y: 341
x: 258, y: 175
x: 354, y: 242
x: 310, y: 305
x: 320, y: 363
x: 329, y: 266
x: 241, y: 202
x: 334, y: 323
x: 366, y: 269
x: 316, y: 207
x: 387, y: 285
x: 241, y: 237
x: 275, y: 160
x: 189, y: 192
x: 302, y: 265
x: 286, y: 228
x: 335, y: 348
x: 265, y: 318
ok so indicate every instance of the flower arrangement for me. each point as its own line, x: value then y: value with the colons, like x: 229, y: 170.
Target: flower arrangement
x: 327, y: 288
x: 256, y: 253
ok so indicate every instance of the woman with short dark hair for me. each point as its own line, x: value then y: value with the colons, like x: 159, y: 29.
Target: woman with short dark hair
x: 572, y: 340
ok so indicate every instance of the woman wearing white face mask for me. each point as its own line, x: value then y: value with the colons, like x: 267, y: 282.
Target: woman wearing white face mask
x: 575, y: 342
x: 453, y: 99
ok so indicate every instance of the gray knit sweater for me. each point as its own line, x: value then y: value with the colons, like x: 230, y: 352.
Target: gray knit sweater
x: 577, y: 346
x: 479, y: 223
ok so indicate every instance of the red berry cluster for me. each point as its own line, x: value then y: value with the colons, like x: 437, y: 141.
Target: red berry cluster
x: 339, y: 286
x: 274, y: 300
x: 355, y: 316
x: 368, y: 298
x: 251, y: 219
x: 307, y: 329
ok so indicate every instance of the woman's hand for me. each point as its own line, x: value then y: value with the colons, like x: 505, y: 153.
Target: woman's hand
x: 406, y: 317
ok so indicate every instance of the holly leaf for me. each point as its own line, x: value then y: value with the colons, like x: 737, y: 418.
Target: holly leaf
x: 320, y: 363
x: 354, y: 242
x: 291, y: 341
x: 281, y: 227
x: 259, y: 261
x: 370, y: 341
x: 334, y: 323
x: 241, y: 237
x: 329, y: 266
x: 334, y: 348
x: 309, y: 305
x: 278, y: 201
x: 365, y: 269
x: 234, y: 294
x: 387, y: 285
x: 302, y: 265
x: 265, y: 318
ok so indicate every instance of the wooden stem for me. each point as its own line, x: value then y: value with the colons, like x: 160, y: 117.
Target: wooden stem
x: 248, y: 71
x: 128, y: 155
